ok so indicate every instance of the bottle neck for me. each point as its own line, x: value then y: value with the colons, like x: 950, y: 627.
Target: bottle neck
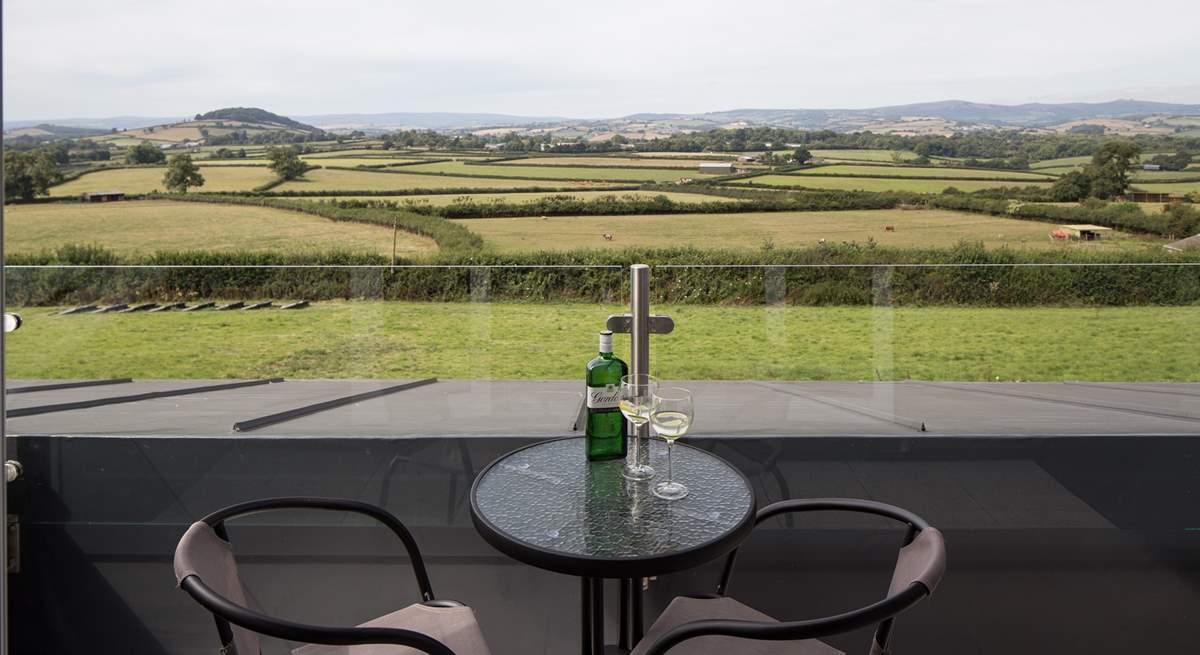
x: 604, y: 355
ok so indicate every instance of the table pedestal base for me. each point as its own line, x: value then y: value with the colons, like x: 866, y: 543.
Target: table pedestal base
x: 592, y: 617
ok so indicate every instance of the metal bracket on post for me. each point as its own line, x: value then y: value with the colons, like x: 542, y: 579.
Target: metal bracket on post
x: 623, y: 323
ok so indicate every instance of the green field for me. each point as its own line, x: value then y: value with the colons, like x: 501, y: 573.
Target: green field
x: 443, y: 199
x: 359, y: 161
x: 917, y: 171
x: 145, y: 180
x: 633, y: 162
x: 912, y: 228
x: 915, y: 185
x: 366, y: 180
x: 140, y: 227
x: 551, y: 341
x: 1179, y: 188
x: 1165, y: 176
x: 1062, y: 161
x: 884, y: 156
x: 555, y: 172
x: 233, y: 162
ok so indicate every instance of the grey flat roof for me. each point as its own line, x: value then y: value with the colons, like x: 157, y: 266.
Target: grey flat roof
x: 548, y: 408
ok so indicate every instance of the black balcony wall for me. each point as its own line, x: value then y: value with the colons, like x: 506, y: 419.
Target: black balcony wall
x: 1063, y: 545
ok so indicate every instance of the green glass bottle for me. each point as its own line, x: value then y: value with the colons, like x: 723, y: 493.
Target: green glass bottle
x: 605, y: 423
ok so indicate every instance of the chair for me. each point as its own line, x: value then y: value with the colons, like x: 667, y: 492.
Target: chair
x: 720, y: 625
x: 205, y: 568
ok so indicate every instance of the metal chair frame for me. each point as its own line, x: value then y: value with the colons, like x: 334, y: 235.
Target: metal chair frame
x: 226, y: 612
x: 882, y: 612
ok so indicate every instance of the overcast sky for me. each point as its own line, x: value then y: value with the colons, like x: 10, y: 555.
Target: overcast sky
x: 93, y: 58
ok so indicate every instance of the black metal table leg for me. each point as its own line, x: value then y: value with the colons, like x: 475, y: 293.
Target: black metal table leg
x: 585, y: 622
x: 597, y: 616
x: 635, y: 611
x: 623, y: 635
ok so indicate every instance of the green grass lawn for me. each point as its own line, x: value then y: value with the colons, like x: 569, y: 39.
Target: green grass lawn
x: 916, y: 185
x: 629, y: 162
x: 442, y: 199
x: 145, y: 180
x: 366, y: 180
x: 358, y: 161
x: 1061, y: 161
x: 912, y: 228
x: 140, y: 227
x: 1165, y: 176
x: 556, y: 172
x: 553, y: 341
x: 883, y: 156
x: 1179, y: 188
x: 918, y: 171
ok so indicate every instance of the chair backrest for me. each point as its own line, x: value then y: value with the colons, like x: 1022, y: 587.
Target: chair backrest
x: 204, y: 554
x: 923, y: 561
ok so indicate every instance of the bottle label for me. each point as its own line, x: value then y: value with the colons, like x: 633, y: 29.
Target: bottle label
x: 606, y: 397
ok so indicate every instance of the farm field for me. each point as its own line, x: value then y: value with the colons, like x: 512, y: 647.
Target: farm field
x: 648, y: 162
x: 366, y: 180
x: 882, y: 156
x: 359, y: 161
x: 525, y: 341
x: 1061, y: 161
x: 1165, y: 176
x: 144, y: 226
x: 442, y: 199
x: 232, y: 162
x: 915, y: 185
x: 145, y: 180
x: 916, y: 171
x: 749, y: 231
x: 1169, y: 187
x: 556, y: 172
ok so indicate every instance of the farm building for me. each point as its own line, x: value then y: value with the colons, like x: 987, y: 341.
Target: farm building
x: 103, y: 196
x: 1085, y: 232
x: 1151, y: 167
x: 1143, y: 196
x: 748, y: 158
x: 1190, y: 243
x: 717, y: 168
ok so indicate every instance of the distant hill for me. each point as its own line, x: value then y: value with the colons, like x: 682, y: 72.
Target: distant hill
x: 424, y: 121
x: 49, y: 131
x: 254, y: 115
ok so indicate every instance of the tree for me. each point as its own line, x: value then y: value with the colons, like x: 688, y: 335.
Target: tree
x: 1110, y: 166
x: 29, y: 174
x: 286, y: 162
x: 145, y: 153
x: 1072, y: 187
x: 801, y: 155
x: 182, y: 173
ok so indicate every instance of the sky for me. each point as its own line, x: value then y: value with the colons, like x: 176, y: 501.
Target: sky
x: 97, y: 58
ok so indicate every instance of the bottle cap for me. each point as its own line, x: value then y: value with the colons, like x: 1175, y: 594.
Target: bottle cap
x: 606, y: 341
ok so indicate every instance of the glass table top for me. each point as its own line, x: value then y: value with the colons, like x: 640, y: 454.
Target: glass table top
x: 548, y: 497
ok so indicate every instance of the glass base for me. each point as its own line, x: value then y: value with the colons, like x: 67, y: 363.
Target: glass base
x: 637, y: 472
x: 670, y: 490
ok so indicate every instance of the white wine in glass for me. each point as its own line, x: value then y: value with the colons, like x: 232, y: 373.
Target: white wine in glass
x: 637, y: 404
x: 671, y: 417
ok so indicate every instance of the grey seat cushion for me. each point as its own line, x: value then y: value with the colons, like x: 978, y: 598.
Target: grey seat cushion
x: 683, y: 610
x: 454, y: 626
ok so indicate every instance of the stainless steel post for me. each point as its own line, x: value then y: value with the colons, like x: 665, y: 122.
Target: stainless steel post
x: 639, y: 350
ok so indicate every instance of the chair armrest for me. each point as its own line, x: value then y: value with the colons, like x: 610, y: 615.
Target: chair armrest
x: 217, y: 521
x: 306, y: 633
x: 791, y: 630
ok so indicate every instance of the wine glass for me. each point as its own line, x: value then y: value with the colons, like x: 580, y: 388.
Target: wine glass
x: 636, y: 403
x: 671, y: 417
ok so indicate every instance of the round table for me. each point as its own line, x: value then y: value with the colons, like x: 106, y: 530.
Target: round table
x: 547, y: 506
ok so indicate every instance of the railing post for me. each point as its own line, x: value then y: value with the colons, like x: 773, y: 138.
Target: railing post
x: 639, y: 351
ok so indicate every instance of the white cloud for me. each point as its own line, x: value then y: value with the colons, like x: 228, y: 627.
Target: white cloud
x: 164, y: 57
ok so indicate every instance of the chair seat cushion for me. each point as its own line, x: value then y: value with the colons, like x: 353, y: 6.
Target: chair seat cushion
x: 684, y: 610
x: 453, y: 626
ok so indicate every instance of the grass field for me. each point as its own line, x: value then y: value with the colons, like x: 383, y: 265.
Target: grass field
x: 1180, y: 188
x: 913, y: 228
x: 146, y: 226
x: 359, y: 161
x: 634, y: 162
x: 918, y: 171
x: 1165, y: 176
x: 916, y: 185
x: 336, y: 180
x: 145, y: 180
x: 551, y: 341
x: 885, y: 156
x: 1062, y: 161
x: 556, y: 172
x: 450, y: 198
x: 233, y: 162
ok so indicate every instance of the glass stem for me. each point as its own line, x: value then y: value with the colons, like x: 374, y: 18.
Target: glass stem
x: 670, y: 472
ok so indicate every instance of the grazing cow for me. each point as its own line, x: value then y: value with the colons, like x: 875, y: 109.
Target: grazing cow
x: 608, y: 237
x: 889, y: 228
